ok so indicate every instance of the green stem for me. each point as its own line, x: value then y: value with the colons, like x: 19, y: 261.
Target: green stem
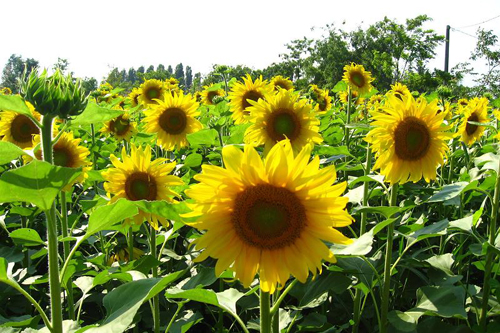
x: 179, y: 308
x: 156, y: 299
x: 387, y: 264
x: 220, y: 321
x: 71, y: 254
x: 24, y: 224
x: 489, y: 254
x: 66, y: 250
x: 130, y: 241
x: 348, y: 117
x: 265, y: 312
x: 450, y: 174
x: 54, y: 283
x: 275, y: 315
x: 276, y: 304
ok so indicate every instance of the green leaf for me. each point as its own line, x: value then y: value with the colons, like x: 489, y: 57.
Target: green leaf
x: 340, y: 86
x: 193, y: 160
x: 402, y: 322
x: 360, y: 246
x: 444, y: 301
x: 27, y: 237
x: 38, y: 182
x: 22, y: 321
x: 238, y: 133
x: 312, y: 321
x: 442, y: 262
x: 105, y: 217
x: 433, y: 230
x: 449, y: 192
x: 14, y: 103
x: 383, y: 210
x: 188, y: 320
x: 464, y: 223
x: 488, y: 161
x: 94, y: 114
x: 9, y: 152
x: 334, y: 281
x: 207, y: 137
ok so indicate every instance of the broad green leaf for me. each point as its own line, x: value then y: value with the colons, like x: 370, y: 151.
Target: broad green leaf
x: 69, y: 326
x: 14, y: 103
x: 442, y: 262
x: 402, y: 322
x: 9, y: 152
x: 358, y: 267
x: 94, y: 114
x: 22, y: 321
x: 207, y: 137
x: 488, y: 161
x: 26, y: 237
x: 312, y: 321
x: 432, y: 230
x: 340, y: 86
x: 444, y: 301
x: 162, y: 208
x: 238, y: 133
x: 193, y: 160
x: 327, y: 281
x: 38, y: 183
x: 386, y: 211
x: 205, y: 276
x: 464, y: 223
x: 186, y: 321
x: 360, y: 246
x: 105, y: 217
x: 449, y: 192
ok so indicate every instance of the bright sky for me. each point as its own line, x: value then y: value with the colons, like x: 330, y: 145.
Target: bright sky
x: 97, y: 35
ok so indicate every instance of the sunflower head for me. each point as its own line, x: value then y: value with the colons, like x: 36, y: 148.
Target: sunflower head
x: 210, y: 92
x: 122, y: 128
x: 475, y: 111
x: 279, y: 82
x: 280, y: 117
x: 344, y: 95
x: 243, y: 92
x: 172, y: 119
x: 133, y: 97
x: 399, y: 90
x: 5, y: 91
x: 269, y: 216
x: 357, y: 78
x: 409, y: 139
x: 136, y: 177
x: 151, y: 91
x: 18, y: 128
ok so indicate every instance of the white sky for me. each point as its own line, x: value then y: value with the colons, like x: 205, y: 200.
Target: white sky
x: 97, y: 35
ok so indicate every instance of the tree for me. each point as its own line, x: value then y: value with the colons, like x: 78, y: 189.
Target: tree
x: 114, y: 77
x: 89, y: 84
x: 150, y: 69
x: 170, y: 70
x: 14, y: 69
x: 62, y: 65
x: 132, y: 75
x: 189, y: 77
x: 489, y: 81
x: 197, y: 82
x: 160, y: 68
x: 179, y: 74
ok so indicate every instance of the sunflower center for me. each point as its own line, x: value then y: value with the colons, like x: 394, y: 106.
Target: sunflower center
x: 268, y: 217
x: 63, y: 157
x: 22, y: 129
x: 119, y: 126
x: 358, y: 79
x: 322, y: 104
x: 173, y: 121
x: 140, y: 186
x: 211, y: 95
x: 153, y: 93
x: 471, y: 128
x: 412, y: 139
x: 282, y: 124
x: 252, y: 95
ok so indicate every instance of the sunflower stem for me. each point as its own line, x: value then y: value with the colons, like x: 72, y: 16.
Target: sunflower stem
x: 53, y: 255
x: 265, y: 312
x: 387, y: 264
x: 179, y: 308
x: 275, y: 315
x: 348, y: 117
x: 66, y: 250
x: 277, y: 303
x: 130, y: 241
x: 489, y: 253
x: 450, y: 174
x: 156, y: 299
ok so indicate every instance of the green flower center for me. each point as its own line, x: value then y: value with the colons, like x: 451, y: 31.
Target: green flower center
x: 282, y: 124
x: 62, y: 157
x: 119, y: 126
x: 140, y: 186
x: 358, y: 79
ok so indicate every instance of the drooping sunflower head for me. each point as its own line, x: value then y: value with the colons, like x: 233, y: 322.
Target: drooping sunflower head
x: 243, y: 92
x: 136, y: 177
x: 269, y: 216
x: 409, y: 139
x: 280, y: 117
x: 446, y: 109
x: 399, y: 89
x: 357, y: 78
x: 172, y: 119
x: 122, y: 127
x: 151, y: 90
x: 133, y: 97
x: 279, y: 82
x: 210, y: 92
x: 476, y: 111
x: 18, y: 128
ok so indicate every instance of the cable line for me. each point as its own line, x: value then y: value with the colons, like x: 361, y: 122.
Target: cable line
x: 473, y: 25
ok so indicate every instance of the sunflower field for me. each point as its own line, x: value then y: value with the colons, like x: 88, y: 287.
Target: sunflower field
x: 250, y: 205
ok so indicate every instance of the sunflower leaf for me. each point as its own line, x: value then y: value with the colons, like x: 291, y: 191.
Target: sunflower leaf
x: 9, y: 152
x: 14, y: 103
x: 94, y: 114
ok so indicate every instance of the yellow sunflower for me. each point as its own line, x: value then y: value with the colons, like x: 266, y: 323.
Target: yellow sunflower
x: 477, y: 111
x: 210, y: 92
x: 268, y: 217
x: 399, y: 89
x: 279, y: 82
x: 462, y: 105
x: 357, y: 78
x: 172, y: 119
x: 322, y: 99
x: 133, y: 97
x: 136, y: 177
x: 409, y: 139
x: 343, y: 97
x: 5, y: 91
x: 280, y: 117
x: 241, y: 93
x: 374, y: 103
x: 121, y: 255
x: 18, y: 128
x: 122, y: 128
x: 150, y: 91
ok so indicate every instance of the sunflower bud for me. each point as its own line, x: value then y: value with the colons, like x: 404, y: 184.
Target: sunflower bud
x: 54, y: 95
x: 444, y: 92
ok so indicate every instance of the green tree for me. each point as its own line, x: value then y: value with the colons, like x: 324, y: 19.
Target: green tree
x: 150, y: 69
x: 179, y: 74
x: 89, y: 84
x: 132, y: 75
x: 14, y: 69
x: 170, y: 70
x: 62, y: 65
x: 189, y: 77
x: 490, y: 80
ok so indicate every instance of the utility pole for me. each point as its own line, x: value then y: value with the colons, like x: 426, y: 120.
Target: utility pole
x: 447, y: 49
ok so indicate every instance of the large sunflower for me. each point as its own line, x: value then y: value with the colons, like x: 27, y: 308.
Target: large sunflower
x: 281, y: 117
x: 357, y: 78
x: 136, y: 177
x: 122, y: 128
x: 241, y: 93
x: 409, y: 139
x: 172, y: 119
x: 150, y: 91
x: 210, y: 92
x: 279, y: 82
x: 477, y: 111
x: 268, y: 217
x: 18, y: 128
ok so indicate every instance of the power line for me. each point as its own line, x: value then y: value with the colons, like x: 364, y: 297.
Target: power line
x: 473, y: 25
x: 465, y: 33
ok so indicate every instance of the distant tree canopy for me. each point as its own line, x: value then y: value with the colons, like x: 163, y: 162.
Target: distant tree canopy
x: 14, y: 69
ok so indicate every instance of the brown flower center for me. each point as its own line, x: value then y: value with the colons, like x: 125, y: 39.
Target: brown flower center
x: 268, y: 217
x: 22, y: 129
x: 211, y: 95
x: 140, y: 186
x: 358, y: 79
x: 412, y: 139
x: 173, y: 121
x: 63, y: 157
x: 471, y: 128
x: 119, y: 126
x: 282, y: 124
x: 251, y: 95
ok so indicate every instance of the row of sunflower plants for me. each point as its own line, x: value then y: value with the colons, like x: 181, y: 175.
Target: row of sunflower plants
x: 267, y: 208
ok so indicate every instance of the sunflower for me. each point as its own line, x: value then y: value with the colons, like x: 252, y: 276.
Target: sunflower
x: 399, y: 89
x: 133, y: 97
x: 446, y: 109
x: 374, y: 103
x: 18, y: 128
x: 121, y: 255
x: 322, y: 99
x: 210, y: 92
x: 172, y: 119
x: 150, y: 91
x: 241, y: 93
x: 5, y: 91
x: 357, y: 78
x: 462, y: 105
x: 279, y: 82
x: 343, y: 97
x: 409, y: 139
x: 122, y: 128
x: 281, y: 117
x: 477, y: 111
x: 136, y: 177
x: 268, y: 217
